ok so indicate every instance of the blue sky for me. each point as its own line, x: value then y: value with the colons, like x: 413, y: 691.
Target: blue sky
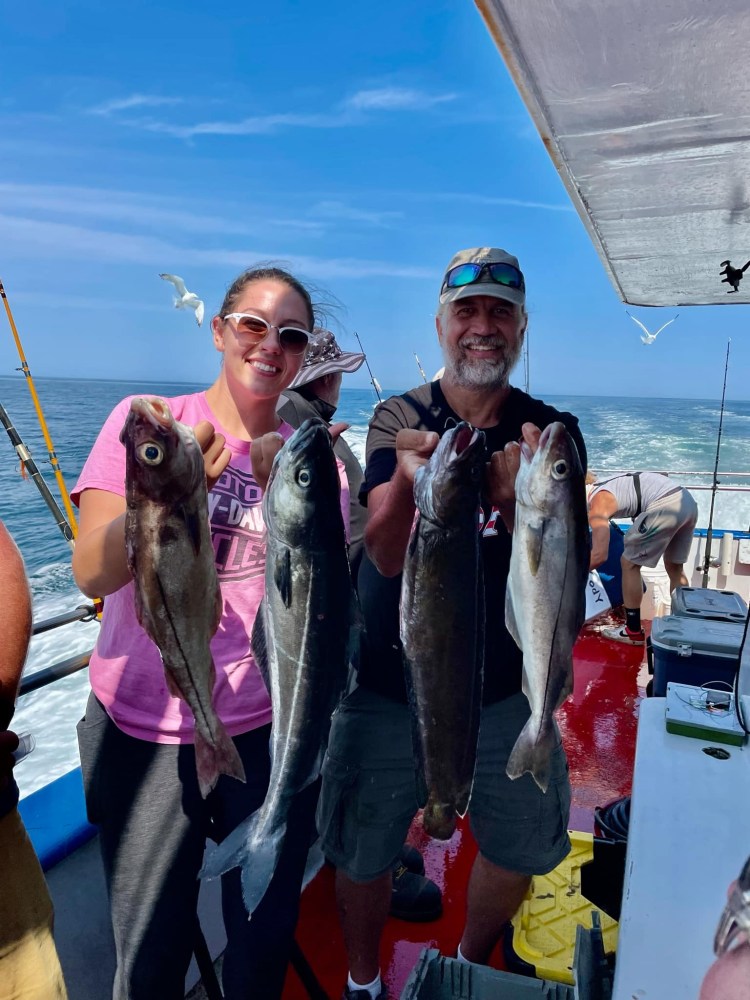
x: 361, y: 144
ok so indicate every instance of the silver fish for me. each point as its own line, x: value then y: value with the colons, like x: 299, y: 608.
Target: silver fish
x: 171, y: 558
x: 300, y: 642
x: 442, y: 626
x: 545, y: 598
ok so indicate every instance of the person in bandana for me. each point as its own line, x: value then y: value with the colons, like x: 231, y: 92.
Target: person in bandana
x: 315, y: 393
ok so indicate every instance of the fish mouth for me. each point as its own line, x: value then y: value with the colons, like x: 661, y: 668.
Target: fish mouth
x: 307, y: 433
x: 465, y: 436
x: 154, y: 410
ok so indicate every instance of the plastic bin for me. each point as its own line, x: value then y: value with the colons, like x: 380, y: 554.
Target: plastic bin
x: 435, y: 977
x: 694, y: 651
x: 545, y: 926
x: 708, y: 605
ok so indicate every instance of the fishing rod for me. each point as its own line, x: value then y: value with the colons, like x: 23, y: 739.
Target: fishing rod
x: 421, y: 369
x: 375, y: 383
x: 42, y: 422
x: 31, y: 467
x: 715, y: 483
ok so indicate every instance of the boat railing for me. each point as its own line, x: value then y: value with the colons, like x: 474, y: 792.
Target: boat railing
x: 63, y: 668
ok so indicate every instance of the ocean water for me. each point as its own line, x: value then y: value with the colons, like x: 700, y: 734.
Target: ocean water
x: 671, y: 435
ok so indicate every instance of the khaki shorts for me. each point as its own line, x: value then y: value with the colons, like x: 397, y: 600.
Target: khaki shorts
x: 369, y: 797
x: 666, y: 529
x: 29, y: 966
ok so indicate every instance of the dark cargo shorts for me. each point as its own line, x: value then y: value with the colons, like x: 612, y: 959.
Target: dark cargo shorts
x: 369, y: 796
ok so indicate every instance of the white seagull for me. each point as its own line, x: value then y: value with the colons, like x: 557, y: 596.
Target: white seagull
x: 186, y: 300
x: 646, y: 337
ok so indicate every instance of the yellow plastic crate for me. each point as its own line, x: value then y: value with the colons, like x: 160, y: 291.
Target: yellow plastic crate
x: 544, y: 928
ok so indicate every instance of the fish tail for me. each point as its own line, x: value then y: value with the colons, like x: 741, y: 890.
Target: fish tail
x: 216, y: 756
x: 256, y: 852
x: 532, y: 752
x: 439, y: 818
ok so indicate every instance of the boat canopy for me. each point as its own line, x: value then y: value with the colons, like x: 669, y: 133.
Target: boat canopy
x: 645, y: 110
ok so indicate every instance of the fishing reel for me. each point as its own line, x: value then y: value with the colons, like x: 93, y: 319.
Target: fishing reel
x: 732, y: 275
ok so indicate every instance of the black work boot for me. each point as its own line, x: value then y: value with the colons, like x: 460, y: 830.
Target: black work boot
x: 413, y: 896
x: 410, y: 858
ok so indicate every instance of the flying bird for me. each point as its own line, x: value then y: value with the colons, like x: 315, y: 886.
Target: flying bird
x: 186, y: 300
x: 649, y: 338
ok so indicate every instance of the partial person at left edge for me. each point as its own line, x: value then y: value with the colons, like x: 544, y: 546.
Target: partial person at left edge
x: 29, y: 965
x: 136, y: 739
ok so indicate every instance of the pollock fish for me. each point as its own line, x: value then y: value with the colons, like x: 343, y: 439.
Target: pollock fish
x: 442, y: 626
x: 546, y: 594
x: 171, y: 558
x: 301, y: 643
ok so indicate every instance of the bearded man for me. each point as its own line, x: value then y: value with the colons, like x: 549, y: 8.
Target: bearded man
x: 369, y: 793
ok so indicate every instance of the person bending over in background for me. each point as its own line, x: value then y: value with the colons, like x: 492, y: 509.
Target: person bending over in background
x: 664, y: 515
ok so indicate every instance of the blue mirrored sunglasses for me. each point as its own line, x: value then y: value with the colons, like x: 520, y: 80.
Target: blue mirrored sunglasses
x: 469, y: 274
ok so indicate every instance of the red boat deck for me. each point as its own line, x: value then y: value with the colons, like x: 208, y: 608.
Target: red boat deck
x: 598, y: 725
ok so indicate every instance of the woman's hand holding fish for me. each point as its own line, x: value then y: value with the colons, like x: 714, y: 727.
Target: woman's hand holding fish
x: 263, y: 451
x: 502, y: 470
x: 216, y: 455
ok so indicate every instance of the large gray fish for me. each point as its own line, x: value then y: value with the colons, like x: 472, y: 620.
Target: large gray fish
x: 545, y: 598
x: 177, y: 596
x: 442, y: 626
x: 300, y: 642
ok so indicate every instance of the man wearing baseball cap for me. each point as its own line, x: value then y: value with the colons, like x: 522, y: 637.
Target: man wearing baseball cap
x: 369, y: 793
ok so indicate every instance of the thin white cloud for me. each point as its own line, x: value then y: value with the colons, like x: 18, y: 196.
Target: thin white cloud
x: 254, y: 125
x: 482, y: 199
x: 57, y: 240
x: 349, y: 113
x: 136, y: 209
x: 339, y: 210
x: 395, y: 99
x: 134, y: 101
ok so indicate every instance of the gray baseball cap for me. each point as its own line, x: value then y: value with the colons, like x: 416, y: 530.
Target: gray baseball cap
x: 486, y: 284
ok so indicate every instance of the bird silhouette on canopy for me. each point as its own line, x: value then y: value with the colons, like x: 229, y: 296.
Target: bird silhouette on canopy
x: 733, y: 275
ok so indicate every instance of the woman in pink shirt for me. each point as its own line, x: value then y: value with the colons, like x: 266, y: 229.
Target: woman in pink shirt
x: 136, y: 738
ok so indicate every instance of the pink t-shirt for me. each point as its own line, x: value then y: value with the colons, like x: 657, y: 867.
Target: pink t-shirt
x: 126, y: 671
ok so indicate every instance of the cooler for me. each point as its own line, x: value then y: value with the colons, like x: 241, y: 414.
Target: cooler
x: 694, y: 651
x: 706, y: 604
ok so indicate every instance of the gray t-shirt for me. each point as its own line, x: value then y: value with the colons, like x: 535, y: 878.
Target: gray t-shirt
x: 654, y: 487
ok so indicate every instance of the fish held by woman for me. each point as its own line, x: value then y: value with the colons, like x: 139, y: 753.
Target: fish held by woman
x: 545, y: 598
x: 442, y: 626
x: 171, y: 558
x: 300, y: 642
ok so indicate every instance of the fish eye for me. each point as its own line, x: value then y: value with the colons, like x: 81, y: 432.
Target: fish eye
x: 560, y: 469
x: 151, y: 453
x: 303, y: 477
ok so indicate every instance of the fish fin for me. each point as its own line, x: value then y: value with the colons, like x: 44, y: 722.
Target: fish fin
x: 439, y: 819
x: 282, y: 576
x: 216, y: 757
x: 532, y: 752
x: 315, y: 861
x: 534, y: 545
x: 256, y: 855
x: 259, y: 645
x: 510, y: 615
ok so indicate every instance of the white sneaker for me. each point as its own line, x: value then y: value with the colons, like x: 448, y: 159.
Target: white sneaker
x: 622, y: 634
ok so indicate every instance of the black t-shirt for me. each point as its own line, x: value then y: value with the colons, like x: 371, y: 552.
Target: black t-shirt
x: 425, y: 409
